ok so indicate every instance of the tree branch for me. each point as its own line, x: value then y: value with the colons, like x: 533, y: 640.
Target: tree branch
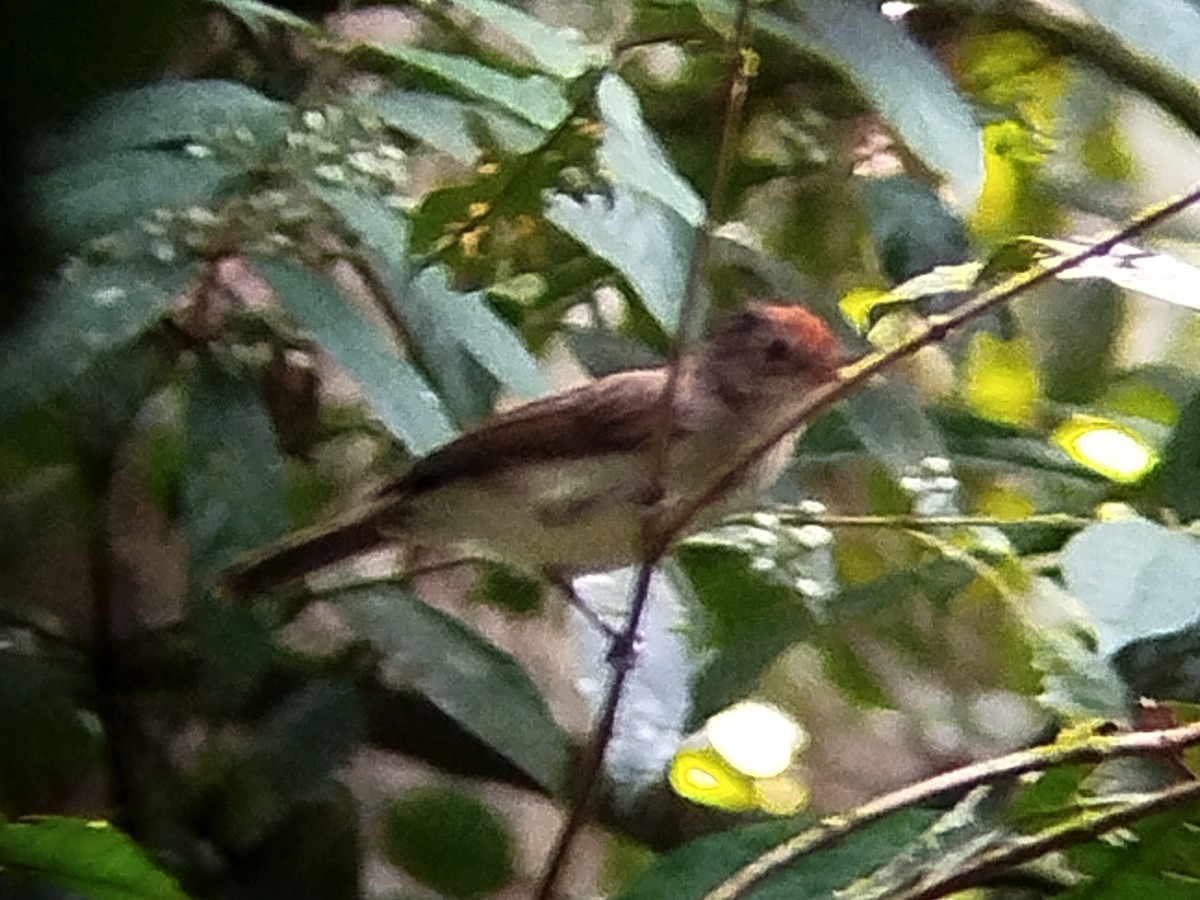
x: 836, y: 828
x: 621, y: 656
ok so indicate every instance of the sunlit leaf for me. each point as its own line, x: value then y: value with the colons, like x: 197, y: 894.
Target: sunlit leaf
x: 1125, y: 265
x: 999, y: 380
x: 472, y: 681
x: 396, y: 391
x: 92, y: 859
x: 1109, y: 448
x: 703, y: 776
x: 646, y: 242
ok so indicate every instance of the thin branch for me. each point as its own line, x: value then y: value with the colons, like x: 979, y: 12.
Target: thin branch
x: 931, y: 332
x: 1024, y: 848
x: 837, y: 828
x: 795, y: 515
x: 621, y: 656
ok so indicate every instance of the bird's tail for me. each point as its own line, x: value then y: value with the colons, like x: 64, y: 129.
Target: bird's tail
x: 305, y: 552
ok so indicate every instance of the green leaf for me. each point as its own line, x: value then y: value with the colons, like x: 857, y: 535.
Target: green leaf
x: 890, y: 421
x: 895, y: 75
x: 486, y: 336
x: 458, y: 128
x: 912, y: 229
x: 1164, y: 30
x: 170, y: 112
x: 233, y: 495
x: 78, y: 320
x: 1154, y: 858
x: 752, y: 618
x: 450, y: 842
x: 631, y: 152
x: 97, y: 196
x: 700, y: 866
x: 397, y: 393
x: 383, y: 229
x: 90, y: 858
x: 470, y: 680
x: 259, y: 16
x: 649, y: 244
x: 444, y: 123
x: 552, y: 49
x: 466, y: 388
x: 294, y: 757
x: 47, y: 737
x: 534, y: 98
x: 1179, y: 474
x: 1137, y: 579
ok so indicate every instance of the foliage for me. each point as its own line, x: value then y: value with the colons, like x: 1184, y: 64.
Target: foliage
x: 329, y: 250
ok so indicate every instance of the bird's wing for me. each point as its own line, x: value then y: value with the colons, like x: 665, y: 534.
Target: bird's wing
x: 615, y: 414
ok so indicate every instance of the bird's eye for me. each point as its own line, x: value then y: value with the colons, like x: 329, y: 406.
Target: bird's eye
x: 777, y: 350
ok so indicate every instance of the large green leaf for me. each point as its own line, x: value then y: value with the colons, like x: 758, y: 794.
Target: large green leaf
x: 899, y: 78
x: 1138, y: 580
x: 297, y: 752
x: 170, y: 112
x: 259, y: 16
x: 382, y: 228
x: 698, y: 867
x: 470, y: 680
x: 79, y: 319
x: 645, y: 241
x: 1164, y: 30
x: 890, y: 421
x: 633, y: 156
x: 90, y: 858
x: 47, y: 737
x: 396, y: 391
x: 95, y: 196
x: 534, y: 98
x: 456, y: 127
x: 554, y: 50
x: 1154, y: 858
x: 233, y: 495
x: 893, y: 73
x: 487, y: 337
x: 444, y: 123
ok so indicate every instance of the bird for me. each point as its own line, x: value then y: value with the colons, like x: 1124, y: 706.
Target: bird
x: 563, y: 486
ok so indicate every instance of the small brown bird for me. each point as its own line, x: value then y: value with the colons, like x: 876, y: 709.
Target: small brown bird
x: 563, y: 485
